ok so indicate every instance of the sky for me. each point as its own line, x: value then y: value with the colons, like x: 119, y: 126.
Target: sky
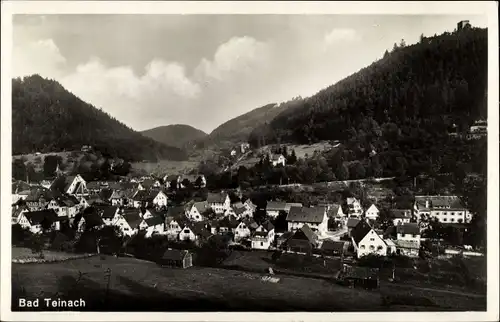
x: 202, y: 70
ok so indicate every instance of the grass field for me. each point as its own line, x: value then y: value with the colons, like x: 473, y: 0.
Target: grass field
x: 166, y: 167
x: 25, y: 254
x: 137, y: 285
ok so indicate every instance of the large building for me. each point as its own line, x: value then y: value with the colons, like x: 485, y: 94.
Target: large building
x: 315, y: 217
x: 447, y: 209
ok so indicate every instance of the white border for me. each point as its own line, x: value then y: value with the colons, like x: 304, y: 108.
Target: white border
x: 488, y: 8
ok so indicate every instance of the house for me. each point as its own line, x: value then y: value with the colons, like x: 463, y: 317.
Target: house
x: 282, y: 239
x: 65, y: 206
x: 71, y: 185
x: 40, y: 220
x: 446, y: 209
x: 86, y: 148
x: 196, y: 232
x: 172, y: 179
x: 408, y: 248
x: 128, y: 221
x: 150, y: 183
x: 153, y: 225
x: 303, y: 240
x: 273, y: 208
x: 400, y: 216
x: 351, y: 223
x: 219, y: 202
x: 160, y: 198
x: 197, y: 211
x: 142, y: 198
x: 333, y: 248
x: 108, y: 214
x: 464, y: 24
x: 224, y: 226
x: 177, y: 258
x: 251, y: 207
x: 354, y: 207
x: 175, y: 220
x: 278, y: 159
x: 315, y: 217
x: 335, y: 212
x: 263, y: 237
x: 366, y: 241
x: 20, y: 191
x: 233, y: 153
x: 372, y: 212
x: 408, y: 232
x: 38, y: 198
x: 244, y: 229
x: 16, y: 212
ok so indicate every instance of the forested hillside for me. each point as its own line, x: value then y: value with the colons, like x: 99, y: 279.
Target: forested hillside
x: 178, y: 135
x: 420, y: 89
x: 48, y: 118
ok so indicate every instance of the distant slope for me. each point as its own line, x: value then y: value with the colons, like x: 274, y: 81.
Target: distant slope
x: 177, y: 135
x: 48, y: 118
x: 238, y: 129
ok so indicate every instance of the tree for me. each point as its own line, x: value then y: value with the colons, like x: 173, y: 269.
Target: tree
x: 342, y: 172
x: 36, y: 244
x: 50, y: 164
x: 18, y: 169
x: 357, y: 171
x: 292, y: 158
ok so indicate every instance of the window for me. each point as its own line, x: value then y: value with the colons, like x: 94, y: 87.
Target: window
x: 372, y: 247
x: 379, y: 248
x: 452, y: 213
x: 444, y: 219
x: 261, y: 244
x: 372, y: 239
x: 186, y: 231
x: 403, y: 235
x: 414, y: 236
x: 362, y: 247
x: 452, y: 219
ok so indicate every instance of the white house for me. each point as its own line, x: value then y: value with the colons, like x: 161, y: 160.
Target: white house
x: 197, y: 210
x: 73, y: 185
x: 194, y: 232
x: 447, y: 209
x: 161, y: 199
x: 242, y: 231
x: 233, y: 153
x: 315, y: 217
x: 36, y: 221
x: 219, y: 202
x: 366, y: 241
x: 153, y: 226
x: 372, y: 212
x: 263, y: 236
x: 128, y: 221
x: 400, y: 216
x: 65, y: 206
x: 273, y: 208
x: 278, y: 159
x: 354, y: 207
x: 408, y: 232
x: 251, y: 207
x: 335, y: 211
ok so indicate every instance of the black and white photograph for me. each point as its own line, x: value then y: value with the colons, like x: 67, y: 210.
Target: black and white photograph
x: 231, y: 159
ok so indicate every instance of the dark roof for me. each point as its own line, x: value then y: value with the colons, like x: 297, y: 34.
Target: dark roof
x: 229, y: 222
x: 105, y: 193
x: 109, y: 211
x: 306, y: 214
x: 92, y: 218
x: 147, y: 183
x: 93, y: 185
x: 285, y: 236
x: 19, y: 186
x: 275, y: 206
x: 132, y: 217
x: 267, y: 225
x: 400, y: 213
x: 305, y: 233
x: 199, y: 229
x: 216, y: 197
x: 172, y: 177
x: 360, y: 231
x: 352, y: 222
x: 174, y: 254
x: 439, y: 202
x: 37, y: 217
x: 202, y: 206
x: 408, y: 228
x: 142, y: 195
x: 329, y: 244
x: 154, y: 221
x: 239, y: 210
x: 251, y: 223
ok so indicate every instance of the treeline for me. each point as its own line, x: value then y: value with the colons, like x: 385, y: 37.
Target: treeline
x: 48, y: 118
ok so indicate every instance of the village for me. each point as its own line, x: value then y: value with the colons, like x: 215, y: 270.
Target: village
x: 144, y: 207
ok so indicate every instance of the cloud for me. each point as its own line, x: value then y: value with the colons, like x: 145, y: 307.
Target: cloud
x: 42, y: 57
x: 238, y: 56
x: 338, y: 35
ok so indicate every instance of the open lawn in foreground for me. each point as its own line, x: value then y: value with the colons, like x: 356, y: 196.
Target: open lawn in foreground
x: 136, y: 285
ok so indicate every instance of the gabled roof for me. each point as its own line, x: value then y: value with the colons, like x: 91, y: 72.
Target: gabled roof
x: 199, y: 229
x: 229, y: 222
x: 275, y: 206
x: 216, y: 197
x: 251, y: 223
x: 359, y: 232
x: 94, y: 185
x: 408, y: 228
x: 201, y: 206
x: 154, y: 221
x: 440, y: 202
x: 109, y: 212
x: 239, y: 210
x: 372, y: 207
x: 92, y: 218
x: 132, y: 217
x: 352, y: 222
x: 37, y: 217
x: 267, y: 225
x: 305, y: 232
x: 411, y: 244
x: 333, y: 245
x: 306, y: 214
x: 352, y: 200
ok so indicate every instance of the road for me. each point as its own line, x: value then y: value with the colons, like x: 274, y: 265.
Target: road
x: 335, y: 235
